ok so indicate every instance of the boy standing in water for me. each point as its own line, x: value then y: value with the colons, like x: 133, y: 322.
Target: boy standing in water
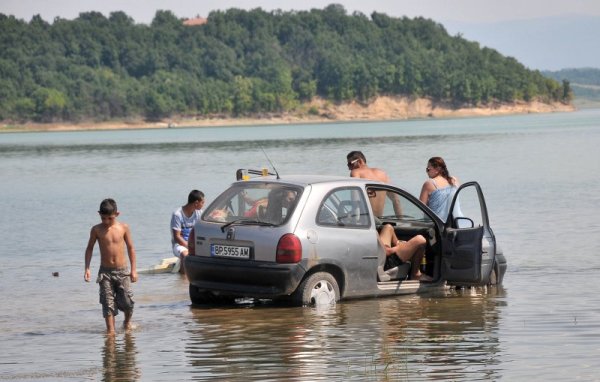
x: 114, y: 275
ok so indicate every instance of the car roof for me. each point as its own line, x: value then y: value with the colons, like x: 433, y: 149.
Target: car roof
x: 305, y: 180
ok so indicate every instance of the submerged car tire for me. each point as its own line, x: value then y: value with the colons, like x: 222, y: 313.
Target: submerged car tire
x: 318, y: 289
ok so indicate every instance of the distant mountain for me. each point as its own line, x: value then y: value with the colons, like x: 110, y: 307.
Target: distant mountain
x: 583, y: 76
x: 550, y: 43
x: 585, y: 83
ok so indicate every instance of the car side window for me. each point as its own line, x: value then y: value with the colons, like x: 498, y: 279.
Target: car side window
x: 344, y: 207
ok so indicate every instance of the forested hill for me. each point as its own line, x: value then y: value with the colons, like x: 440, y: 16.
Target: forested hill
x: 244, y: 62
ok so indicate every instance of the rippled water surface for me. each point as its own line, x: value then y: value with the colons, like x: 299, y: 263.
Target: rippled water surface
x: 540, y: 178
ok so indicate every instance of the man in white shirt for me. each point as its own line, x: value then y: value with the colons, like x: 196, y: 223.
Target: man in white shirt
x: 182, y: 221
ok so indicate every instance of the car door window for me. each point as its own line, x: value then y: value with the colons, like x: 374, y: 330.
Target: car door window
x: 467, y: 211
x: 344, y: 207
x: 398, y: 207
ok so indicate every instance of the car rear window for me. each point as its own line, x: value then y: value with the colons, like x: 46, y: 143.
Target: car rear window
x: 265, y: 202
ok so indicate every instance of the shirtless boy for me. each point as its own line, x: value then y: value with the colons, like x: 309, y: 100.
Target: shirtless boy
x: 114, y: 276
x: 412, y: 250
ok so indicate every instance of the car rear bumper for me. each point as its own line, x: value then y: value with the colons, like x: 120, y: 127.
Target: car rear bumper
x: 243, y: 278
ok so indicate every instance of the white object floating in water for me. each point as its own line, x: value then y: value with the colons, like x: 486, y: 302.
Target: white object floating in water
x: 168, y: 265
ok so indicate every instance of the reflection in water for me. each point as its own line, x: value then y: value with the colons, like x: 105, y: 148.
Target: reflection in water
x: 451, y: 338
x: 119, y: 359
x: 454, y: 336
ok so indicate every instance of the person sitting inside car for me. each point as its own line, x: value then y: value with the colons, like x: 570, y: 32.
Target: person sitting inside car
x: 398, y: 251
x: 257, y: 207
x: 279, y: 204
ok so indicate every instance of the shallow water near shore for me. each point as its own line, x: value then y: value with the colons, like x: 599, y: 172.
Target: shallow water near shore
x: 540, y: 179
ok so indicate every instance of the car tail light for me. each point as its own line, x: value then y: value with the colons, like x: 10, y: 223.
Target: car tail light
x: 289, y: 249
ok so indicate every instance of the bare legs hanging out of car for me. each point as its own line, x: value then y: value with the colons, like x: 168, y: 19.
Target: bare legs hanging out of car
x: 412, y: 250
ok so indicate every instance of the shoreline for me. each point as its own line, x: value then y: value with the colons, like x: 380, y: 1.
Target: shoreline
x: 317, y: 111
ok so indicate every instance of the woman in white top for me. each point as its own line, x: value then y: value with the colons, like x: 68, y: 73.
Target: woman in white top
x: 437, y: 192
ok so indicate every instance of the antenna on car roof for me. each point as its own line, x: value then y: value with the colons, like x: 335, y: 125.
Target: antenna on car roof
x: 271, y: 163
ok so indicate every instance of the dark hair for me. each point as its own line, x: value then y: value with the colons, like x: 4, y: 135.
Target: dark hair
x: 108, y: 207
x: 353, y: 155
x: 195, y: 195
x: 439, y: 164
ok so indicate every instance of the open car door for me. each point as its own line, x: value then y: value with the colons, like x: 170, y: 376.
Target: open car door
x: 469, y: 243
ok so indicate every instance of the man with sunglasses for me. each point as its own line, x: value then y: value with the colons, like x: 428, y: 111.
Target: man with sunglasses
x: 357, y: 164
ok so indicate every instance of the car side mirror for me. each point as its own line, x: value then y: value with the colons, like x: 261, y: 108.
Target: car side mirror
x: 462, y: 222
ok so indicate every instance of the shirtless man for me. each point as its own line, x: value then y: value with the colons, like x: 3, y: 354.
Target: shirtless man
x: 357, y: 164
x: 412, y: 250
x: 114, y: 276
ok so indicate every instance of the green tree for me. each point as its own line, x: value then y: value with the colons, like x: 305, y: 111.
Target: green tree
x: 242, y: 98
x: 156, y: 106
x: 49, y: 104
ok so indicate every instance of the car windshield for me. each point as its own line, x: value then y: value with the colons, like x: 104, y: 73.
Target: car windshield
x: 247, y: 202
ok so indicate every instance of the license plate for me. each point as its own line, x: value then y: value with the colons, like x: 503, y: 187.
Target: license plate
x: 230, y: 251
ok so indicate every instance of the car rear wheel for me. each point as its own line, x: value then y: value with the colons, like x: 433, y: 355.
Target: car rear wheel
x: 318, y: 289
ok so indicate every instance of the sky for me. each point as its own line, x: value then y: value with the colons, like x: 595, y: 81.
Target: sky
x: 479, y: 11
x: 489, y: 22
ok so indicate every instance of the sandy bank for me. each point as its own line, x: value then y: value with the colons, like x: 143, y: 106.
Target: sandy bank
x: 317, y: 111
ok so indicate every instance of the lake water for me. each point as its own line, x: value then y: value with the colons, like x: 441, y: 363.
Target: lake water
x: 540, y: 177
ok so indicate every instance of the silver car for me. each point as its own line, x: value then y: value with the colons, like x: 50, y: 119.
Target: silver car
x: 313, y: 240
